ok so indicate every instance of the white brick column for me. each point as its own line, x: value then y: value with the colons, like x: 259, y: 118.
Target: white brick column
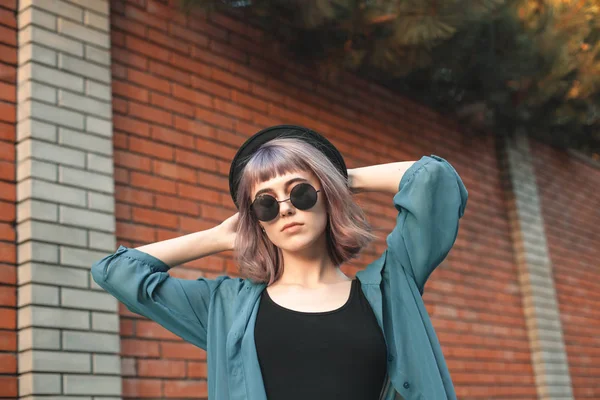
x: 538, y: 292
x: 68, y: 328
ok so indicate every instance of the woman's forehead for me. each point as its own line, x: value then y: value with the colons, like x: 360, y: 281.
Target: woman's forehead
x: 280, y: 180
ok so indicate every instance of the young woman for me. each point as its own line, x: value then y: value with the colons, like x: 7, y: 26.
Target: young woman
x: 294, y: 326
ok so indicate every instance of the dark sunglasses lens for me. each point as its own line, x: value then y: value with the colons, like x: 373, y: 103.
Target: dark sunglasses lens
x: 265, y: 207
x: 303, y: 196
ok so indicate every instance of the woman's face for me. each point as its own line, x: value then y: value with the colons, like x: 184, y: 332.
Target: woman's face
x: 313, y: 221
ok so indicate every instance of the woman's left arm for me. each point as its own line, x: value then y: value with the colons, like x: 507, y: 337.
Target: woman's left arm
x: 378, y: 178
x: 430, y: 198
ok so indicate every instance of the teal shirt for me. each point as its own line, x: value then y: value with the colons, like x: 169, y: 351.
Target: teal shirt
x: 219, y: 314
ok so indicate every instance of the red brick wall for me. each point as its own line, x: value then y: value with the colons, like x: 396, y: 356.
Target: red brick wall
x: 8, y: 258
x: 188, y: 90
x: 571, y: 212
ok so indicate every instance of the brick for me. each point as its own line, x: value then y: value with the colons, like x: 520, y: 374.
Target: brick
x: 53, y: 361
x: 84, y: 141
x: 97, y: 55
x: 91, y: 341
x: 125, y: 89
x: 197, y: 369
x: 151, y: 114
x: 7, y: 36
x: 149, y: 81
x: 192, y: 96
x: 41, y: 36
x: 170, y: 203
x: 84, y: 104
x: 188, y: 35
x: 83, y: 33
x: 213, y: 118
x: 31, y: 168
x: 174, y: 105
x: 135, y: 232
x: 48, y: 317
x: 101, y: 6
x: 185, y: 388
x: 7, y: 318
x: 135, y: 13
x: 101, y: 202
x: 39, y: 384
x: 100, y: 163
x: 146, y: 48
x: 84, y: 68
x: 7, y: 113
x: 36, y: 16
x: 39, y: 210
x: 101, y: 241
x: 7, y: 191
x: 139, y: 348
x: 129, y: 195
x: 37, y: 251
x: 182, y: 351
x: 34, y: 90
x: 32, y: 52
x: 104, y: 364
x: 153, y: 217
x: 82, y: 258
x: 151, y: 148
x: 87, y: 300
x: 152, y: 183
x: 98, y: 90
x: 104, y: 322
x: 8, y: 364
x: 30, y: 128
x: 7, y: 92
x: 160, y: 38
x: 98, y: 126
x: 85, y: 179
x: 40, y: 190
x: 50, y: 152
x: 8, y: 341
x: 100, y: 22
x: 8, y: 55
x: 92, y: 385
x: 53, y: 275
x: 53, y: 233
x: 54, y: 6
x: 161, y: 368
x: 38, y: 294
x: 142, y: 388
x: 195, y: 160
x: 8, y: 296
x: 7, y: 17
x: 174, y: 171
x: 198, y: 193
x: 39, y: 338
x: 49, y: 113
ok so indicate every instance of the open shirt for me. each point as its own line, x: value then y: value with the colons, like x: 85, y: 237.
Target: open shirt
x: 218, y: 315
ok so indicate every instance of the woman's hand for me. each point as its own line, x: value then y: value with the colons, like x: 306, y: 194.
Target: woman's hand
x: 228, y: 230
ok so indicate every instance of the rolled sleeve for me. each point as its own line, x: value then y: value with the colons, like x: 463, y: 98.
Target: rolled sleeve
x: 142, y: 283
x: 430, y: 201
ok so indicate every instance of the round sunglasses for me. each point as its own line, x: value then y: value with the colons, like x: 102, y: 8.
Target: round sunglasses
x: 303, y: 196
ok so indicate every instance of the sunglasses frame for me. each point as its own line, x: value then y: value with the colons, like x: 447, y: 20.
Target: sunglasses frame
x: 281, y: 201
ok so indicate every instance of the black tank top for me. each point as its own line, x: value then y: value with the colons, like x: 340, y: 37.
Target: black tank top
x: 339, y: 354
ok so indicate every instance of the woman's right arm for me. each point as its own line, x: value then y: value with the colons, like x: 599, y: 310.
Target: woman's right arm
x: 139, y: 279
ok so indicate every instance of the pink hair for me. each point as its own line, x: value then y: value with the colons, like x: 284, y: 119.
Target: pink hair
x: 347, y: 228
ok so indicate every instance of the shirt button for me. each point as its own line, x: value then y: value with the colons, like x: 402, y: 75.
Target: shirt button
x: 406, y: 385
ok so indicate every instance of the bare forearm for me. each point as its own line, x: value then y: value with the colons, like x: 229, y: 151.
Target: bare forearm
x: 189, y: 247
x: 378, y: 178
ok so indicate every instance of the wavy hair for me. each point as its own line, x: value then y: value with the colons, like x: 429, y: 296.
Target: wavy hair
x: 347, y: 228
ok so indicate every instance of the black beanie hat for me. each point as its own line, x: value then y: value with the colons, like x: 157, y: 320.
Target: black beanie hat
x: 251, y: 145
